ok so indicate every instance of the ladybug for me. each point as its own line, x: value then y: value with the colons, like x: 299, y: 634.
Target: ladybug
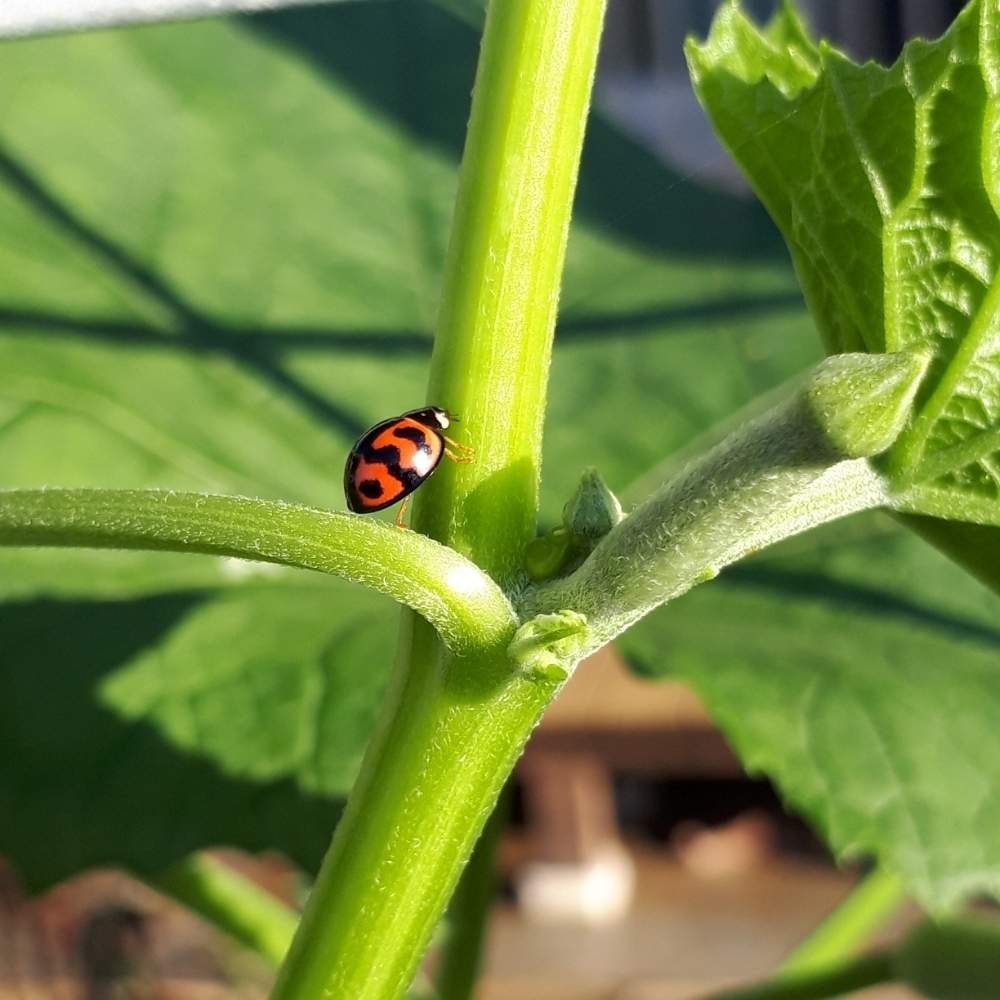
x: 390, y: 460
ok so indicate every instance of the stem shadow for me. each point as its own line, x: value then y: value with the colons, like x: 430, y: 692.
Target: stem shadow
x: 869, y: 600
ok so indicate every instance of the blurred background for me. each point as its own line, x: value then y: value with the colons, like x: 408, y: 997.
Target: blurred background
x: 222, y: 251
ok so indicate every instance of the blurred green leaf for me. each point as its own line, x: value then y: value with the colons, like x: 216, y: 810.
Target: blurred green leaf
x: 867, y: 684
x: 879, y: 180
x: 952, y: 960
x: 862, y: 675
x: 133, y: 731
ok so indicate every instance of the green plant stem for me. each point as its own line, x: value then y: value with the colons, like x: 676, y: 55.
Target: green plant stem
x: 858, y: 974
x: 468, y: 913
x: 873, y: 900
x: 454, y: 725
x: 232, y: 903
x: 463, y: 603
x: 501, y: 288
x: 756, y: 488
x: 430, y: 777
x: 824, y: 965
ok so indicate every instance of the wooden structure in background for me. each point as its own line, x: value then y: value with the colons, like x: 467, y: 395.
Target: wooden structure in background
x: 605, y: 721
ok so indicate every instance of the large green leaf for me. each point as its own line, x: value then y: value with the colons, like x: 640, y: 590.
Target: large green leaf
x: 135, y: 730
x: 886, y: 185
x: 875, y: 707
x: 221, y: 261
x: 855, y: 668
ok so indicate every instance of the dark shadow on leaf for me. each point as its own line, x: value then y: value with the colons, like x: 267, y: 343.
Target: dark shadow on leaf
x: 379, y: 51
x: 228, y: 339
x: 246, y: 341
x: 81, y: 786
x: 683, y: 314
x: 792, y: 585
x: 190, y: 326
x: 218, y: 338
x: 414, y: 63
x: 36, y: 194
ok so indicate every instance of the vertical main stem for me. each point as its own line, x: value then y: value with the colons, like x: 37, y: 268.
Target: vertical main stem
x: 505, y: 259
x: 460, y: 957
x: 452, y: 728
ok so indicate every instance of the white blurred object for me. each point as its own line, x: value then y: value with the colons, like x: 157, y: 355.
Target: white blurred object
x: 594, y: 892
x: 36, y: 17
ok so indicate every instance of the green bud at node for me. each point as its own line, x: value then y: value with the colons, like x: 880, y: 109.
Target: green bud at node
x: 548, y: 647
x: 547, y: 555
x: 591, y: 512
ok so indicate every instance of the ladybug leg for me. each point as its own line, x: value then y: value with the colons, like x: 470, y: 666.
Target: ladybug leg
x: 401, y: 513
x: 459, y: 453
x: 457, y: 445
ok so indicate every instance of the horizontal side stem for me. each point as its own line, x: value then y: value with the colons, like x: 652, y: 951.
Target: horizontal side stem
x: 754, y: 490
x: 798, y: 466
x: 463, y: 604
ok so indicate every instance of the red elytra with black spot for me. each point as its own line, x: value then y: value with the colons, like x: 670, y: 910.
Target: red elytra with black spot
x: 390, y: 460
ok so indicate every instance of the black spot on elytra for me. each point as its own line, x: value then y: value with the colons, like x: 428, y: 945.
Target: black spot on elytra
x: 414, y: 434
x: 368, y: 495
x: 387, y: 455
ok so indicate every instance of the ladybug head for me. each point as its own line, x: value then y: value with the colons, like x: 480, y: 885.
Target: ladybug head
x: 433, y: 417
